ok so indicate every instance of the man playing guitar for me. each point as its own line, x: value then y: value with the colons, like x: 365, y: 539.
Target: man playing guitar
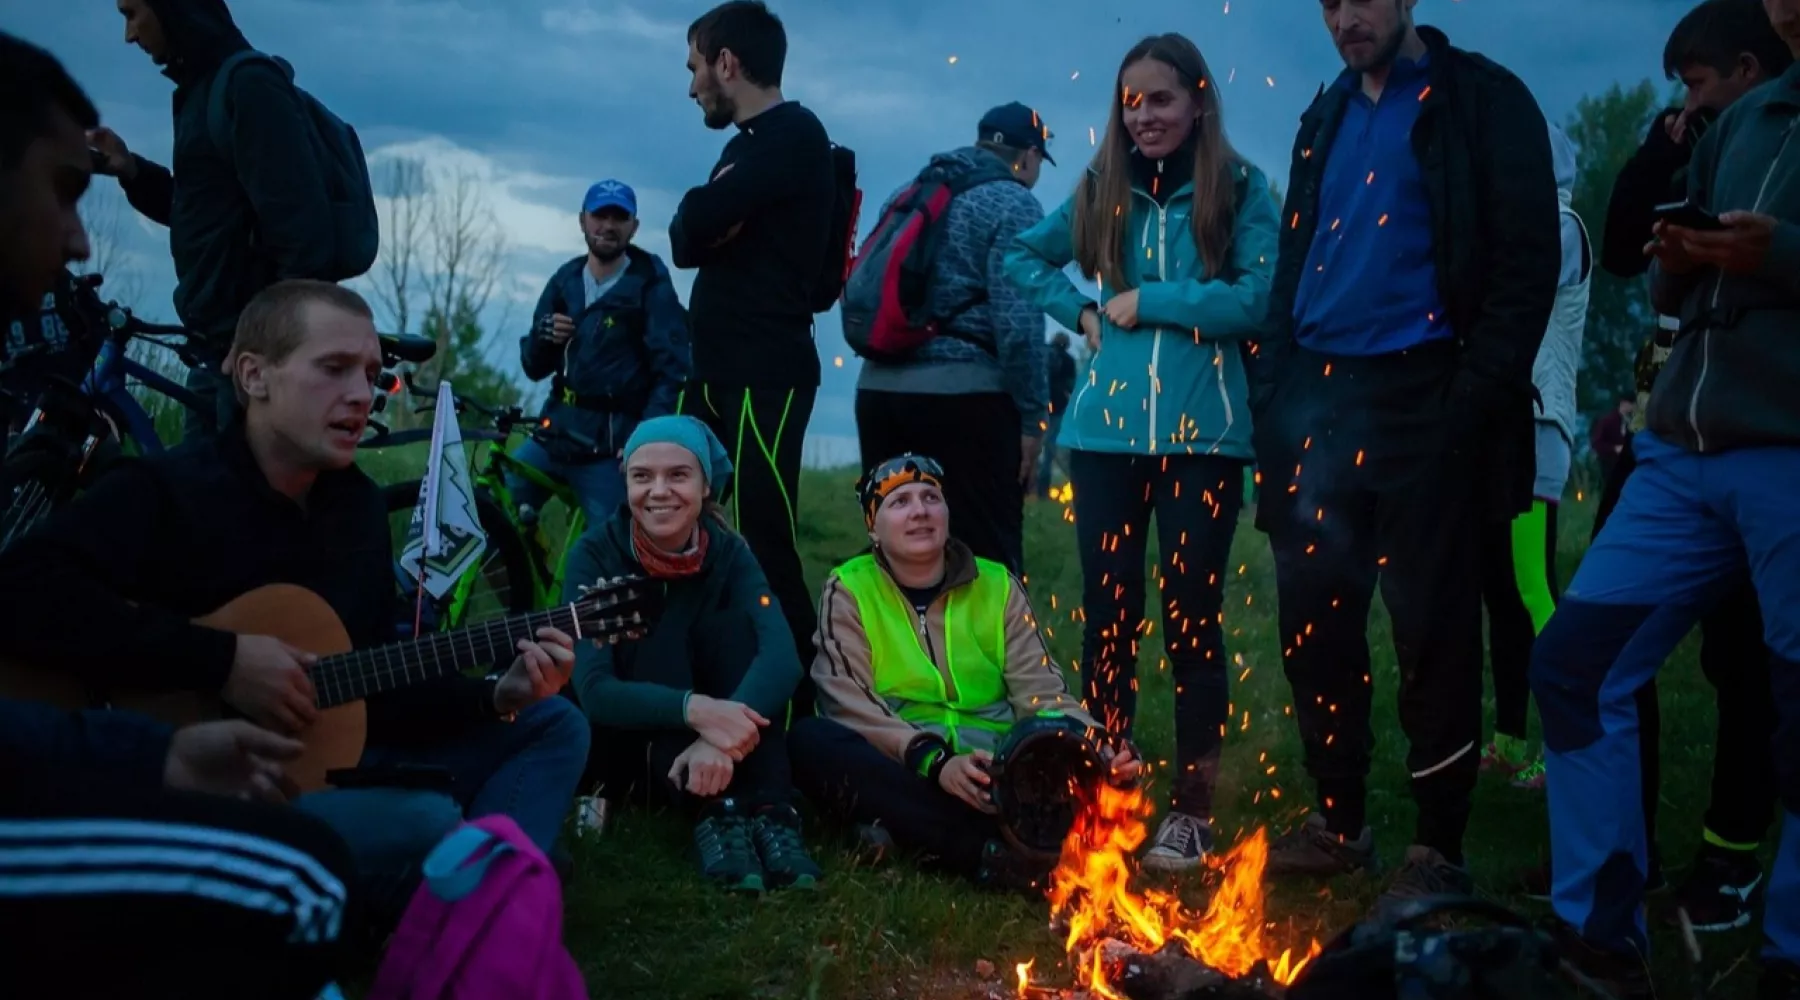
x: 107, y: 591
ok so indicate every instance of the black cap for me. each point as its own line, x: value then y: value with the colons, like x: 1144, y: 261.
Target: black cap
x: 1018, y: 127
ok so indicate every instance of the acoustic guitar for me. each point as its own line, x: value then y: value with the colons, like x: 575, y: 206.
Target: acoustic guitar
x: 607, y: 612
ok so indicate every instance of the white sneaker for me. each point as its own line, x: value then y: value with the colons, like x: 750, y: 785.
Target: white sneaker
x: 1182, y: 841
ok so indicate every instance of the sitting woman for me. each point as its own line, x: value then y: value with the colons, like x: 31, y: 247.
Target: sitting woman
x: 703, y: 694
x: 928, y: 656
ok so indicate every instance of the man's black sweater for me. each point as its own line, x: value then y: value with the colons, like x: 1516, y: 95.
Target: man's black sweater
x: 107, y: 588
x: 751, y: 308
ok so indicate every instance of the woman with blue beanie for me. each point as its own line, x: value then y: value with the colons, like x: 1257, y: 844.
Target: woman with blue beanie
x: 703, y: 695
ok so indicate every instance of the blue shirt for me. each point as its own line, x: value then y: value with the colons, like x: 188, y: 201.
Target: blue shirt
x: 1370, y: 282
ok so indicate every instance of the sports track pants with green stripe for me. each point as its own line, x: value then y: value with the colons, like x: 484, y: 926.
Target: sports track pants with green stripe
x: 764, y: 430
x: 1518, y: 586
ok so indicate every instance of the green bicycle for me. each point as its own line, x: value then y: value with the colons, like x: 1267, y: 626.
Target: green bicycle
x: 520, y: 570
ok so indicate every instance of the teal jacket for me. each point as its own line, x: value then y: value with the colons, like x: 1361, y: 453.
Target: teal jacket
x: 722, y: 622
x: 1176, y: 383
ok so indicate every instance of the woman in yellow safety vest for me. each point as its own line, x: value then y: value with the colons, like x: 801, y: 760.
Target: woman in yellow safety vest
x: 927, y: 657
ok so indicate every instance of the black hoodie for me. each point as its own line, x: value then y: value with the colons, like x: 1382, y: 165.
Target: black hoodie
x: 241, y: 221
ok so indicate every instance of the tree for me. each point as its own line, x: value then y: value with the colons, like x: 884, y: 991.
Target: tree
x: 1606, y: 130
x: 103, y: 219
x: 469, y: 361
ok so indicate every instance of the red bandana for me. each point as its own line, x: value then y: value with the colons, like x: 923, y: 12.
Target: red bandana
x: 662, y: 565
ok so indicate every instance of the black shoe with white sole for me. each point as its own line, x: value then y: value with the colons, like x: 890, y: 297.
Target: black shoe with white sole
x: 1181, y: 843
x: 1721, y: 890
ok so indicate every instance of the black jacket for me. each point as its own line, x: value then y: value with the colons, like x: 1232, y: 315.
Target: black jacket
x: 109, y: 585
x: 236, y: 225
x: 752, y: 298
x: 1655, y: 174
x: 1484, y: 148
x: 627, y: 362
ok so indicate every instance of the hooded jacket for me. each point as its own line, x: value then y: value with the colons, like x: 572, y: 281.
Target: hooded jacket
x: 626, y: 363
x: 1731, y: 379
x: 995, y: 343
x: 1559, y: 356
x: 237, y: 223
x: 1176, y: 383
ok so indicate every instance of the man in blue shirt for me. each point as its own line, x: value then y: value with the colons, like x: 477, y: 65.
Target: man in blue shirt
x: 1392, y: 397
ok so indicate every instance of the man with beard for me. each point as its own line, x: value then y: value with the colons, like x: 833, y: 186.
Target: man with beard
x: 242, y: 215
x: 612, y: 337
x: 758, y: 231
x: 1392, y: 397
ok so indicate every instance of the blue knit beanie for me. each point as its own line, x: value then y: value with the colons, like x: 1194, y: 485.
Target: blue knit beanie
x: 688, y: 433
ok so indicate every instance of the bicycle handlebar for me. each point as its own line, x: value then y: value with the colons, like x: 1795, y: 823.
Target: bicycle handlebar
x: 506, y: 419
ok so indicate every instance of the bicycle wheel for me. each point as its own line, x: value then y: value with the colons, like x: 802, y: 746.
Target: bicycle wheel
x: 504, y: 577
x: 32, y: 484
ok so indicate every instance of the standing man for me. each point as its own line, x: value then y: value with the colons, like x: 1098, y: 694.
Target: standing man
x: 242, y: 215
x: 757, y: 232
x: 1394, y: 414
x: 611, y: 335
x: 1060, y: 371
x: 1711, y: 499
x: 1720, y: 51
x: 972, y: 397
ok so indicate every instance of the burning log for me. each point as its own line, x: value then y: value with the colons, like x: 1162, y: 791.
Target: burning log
x: 1172, y: 974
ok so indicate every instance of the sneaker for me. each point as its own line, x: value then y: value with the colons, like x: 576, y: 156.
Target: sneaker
x: 1720, y: 891
x: 1004, y: 870
x: 1622, y: 977
x: 785, y: 863
x: 727, y: 853
x: 1425, y: 872
x: 1530, y: 777
x: 1182, y: 841
x: 1780, y: 981
x: 1311, y: 849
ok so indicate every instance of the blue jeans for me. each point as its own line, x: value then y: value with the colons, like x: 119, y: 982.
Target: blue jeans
x: 528, y: 769
x: 1686, y: 527
x: 598, y: 485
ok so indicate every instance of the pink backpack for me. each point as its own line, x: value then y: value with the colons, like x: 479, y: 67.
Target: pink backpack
x: 485, y: 925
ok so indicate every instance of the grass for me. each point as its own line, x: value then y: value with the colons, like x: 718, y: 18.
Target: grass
x: 642, y: 925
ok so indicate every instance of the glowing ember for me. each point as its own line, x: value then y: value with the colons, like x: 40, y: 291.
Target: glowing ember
x: 1091, y: 891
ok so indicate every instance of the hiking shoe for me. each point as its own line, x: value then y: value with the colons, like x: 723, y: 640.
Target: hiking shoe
x: 1531, y: 777
x: 1182, y: 841
x: 1507, y: 760
x: 785, y: 863
x: 1620, y: 976
x: 1004, y: 870
x: 1720, y: 891
x: 726, y: 851
x: 1780, y: 981
x: 1425, y: 872
x: 1311, y: 849
x: 874, y: 844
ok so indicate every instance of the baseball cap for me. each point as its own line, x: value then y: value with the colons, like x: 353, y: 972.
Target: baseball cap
x: 610, y: 194
x: 1017, y: 126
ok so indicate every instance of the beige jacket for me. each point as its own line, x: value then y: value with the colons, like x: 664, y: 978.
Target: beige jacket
x: 845, y: 676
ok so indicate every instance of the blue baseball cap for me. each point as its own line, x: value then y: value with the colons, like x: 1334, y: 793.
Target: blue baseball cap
x: 1018, y: 127
x: 610, y: 194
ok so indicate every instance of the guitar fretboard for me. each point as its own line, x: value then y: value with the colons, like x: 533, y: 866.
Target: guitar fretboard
x: 356, y: 675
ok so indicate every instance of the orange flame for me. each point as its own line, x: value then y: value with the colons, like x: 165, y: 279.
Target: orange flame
x: 1024, y: 970
x: 1091, y: 890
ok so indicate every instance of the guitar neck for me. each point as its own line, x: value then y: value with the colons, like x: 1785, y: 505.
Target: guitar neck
x: 363, y: 673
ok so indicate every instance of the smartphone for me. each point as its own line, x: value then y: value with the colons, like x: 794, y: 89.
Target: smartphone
x: 1689, y: 216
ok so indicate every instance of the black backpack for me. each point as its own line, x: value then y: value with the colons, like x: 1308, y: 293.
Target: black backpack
x: 846, y: 207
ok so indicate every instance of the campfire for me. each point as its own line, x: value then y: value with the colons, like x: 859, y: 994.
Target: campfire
x: 1126, y: 945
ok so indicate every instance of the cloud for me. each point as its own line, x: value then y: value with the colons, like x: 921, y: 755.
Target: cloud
x: 618, y: 19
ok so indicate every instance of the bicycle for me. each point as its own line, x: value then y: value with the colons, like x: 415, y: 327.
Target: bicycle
x: 77, y: 431
x: 519, y: 567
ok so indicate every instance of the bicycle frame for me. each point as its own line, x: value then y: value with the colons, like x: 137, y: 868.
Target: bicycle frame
x: 109, y: 383
x: 546, y: 580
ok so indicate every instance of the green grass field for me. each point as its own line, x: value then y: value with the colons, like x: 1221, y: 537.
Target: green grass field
x: 642, y: 924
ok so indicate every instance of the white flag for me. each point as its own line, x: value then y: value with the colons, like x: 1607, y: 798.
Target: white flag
x: 445, y: 534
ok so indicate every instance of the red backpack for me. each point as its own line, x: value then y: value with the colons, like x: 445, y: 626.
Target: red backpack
x: 887, y: 309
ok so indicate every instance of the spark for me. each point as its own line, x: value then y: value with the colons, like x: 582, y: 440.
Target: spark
x: 952, y: 60
x: 838, y: 362
x: 1075, y: 75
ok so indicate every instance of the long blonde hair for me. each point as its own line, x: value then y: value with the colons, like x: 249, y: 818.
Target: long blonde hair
x: 1101, y: 216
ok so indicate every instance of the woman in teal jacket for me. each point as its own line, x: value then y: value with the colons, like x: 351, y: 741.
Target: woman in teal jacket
x: 1180, y: 232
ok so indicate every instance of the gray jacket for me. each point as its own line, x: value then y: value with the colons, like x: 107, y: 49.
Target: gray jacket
x: 1733, y: 378
x: 1559, y: 356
